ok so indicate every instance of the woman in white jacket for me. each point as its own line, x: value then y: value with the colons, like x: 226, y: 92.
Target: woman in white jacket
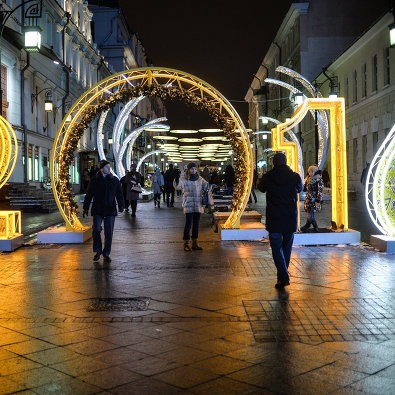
x: 193, y: 186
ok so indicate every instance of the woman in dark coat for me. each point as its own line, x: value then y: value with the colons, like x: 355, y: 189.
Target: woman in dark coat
x: 312, y: 203
x: 133, y: 179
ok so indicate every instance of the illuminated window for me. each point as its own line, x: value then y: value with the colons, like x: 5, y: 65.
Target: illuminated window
x: 30, y: 163
x: 36, y: 164
x: 4, y: 104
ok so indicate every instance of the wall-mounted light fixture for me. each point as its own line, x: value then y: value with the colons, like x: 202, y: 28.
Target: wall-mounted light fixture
x: 48, y: 104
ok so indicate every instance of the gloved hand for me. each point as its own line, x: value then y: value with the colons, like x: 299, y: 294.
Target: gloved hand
x: 84, y: 213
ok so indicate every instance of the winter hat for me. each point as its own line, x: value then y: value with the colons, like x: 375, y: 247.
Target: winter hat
x: 279, y: 159
x: 191, y: 164
x: 103, y: 163
x: 312, y: 169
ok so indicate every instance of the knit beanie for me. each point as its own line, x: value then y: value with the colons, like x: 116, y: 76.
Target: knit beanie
x: 279, y: 159
x: 191, y: 164
x: 103, y: 163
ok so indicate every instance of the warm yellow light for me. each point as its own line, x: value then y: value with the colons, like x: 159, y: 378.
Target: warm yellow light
x: 10, y: 224
x: 210, y: 130
x: 189, y: 140
x: 48, y: 106
x: 215, y: 138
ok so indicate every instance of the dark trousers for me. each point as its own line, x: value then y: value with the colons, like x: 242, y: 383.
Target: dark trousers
x: 127, y: 203
x: 96, y: 233
x: 170, y: 201
x: 252, y: 194
x: 157, y: 196
x: 281, y: 244
x: 191, y: 221
x: 133, y: 205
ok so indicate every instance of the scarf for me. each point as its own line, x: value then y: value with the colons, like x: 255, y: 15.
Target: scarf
x: 193, y: 177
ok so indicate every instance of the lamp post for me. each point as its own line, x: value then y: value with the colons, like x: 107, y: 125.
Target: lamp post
x: 32, y: 33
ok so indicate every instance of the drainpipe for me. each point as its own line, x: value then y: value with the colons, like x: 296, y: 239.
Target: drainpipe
x: 64, y: 67
x: 26, y: 152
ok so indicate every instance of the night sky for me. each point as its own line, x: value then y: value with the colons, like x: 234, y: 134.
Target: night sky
x: 213, y: 40
x: 221, y: 44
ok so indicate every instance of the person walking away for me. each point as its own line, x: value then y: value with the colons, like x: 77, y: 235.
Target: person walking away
x: 157, y: 186
x: 124, y: 189
x: 193, y: 186
x: 282, y: 186
x: 105, y: 190
x: 364, y: 174
x: 254, y: 180
x: 229, y: 178
x: 169, y: 188
x: 325, y: 178
x: 133, y: 181
x: 313, y: 187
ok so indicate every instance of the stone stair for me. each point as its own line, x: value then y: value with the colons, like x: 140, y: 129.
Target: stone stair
x: 31, y: 199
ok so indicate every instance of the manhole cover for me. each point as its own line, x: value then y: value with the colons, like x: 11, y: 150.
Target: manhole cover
x: 119, y: 304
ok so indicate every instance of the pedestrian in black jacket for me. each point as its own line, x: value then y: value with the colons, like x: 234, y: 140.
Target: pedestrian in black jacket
x: 282, y: 186
x: 105, y: 190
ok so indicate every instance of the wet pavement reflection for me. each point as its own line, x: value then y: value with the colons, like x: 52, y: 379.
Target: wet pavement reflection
x: 161, y: 320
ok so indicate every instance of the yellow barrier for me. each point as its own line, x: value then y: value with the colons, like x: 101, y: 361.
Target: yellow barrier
x: 10, y: 224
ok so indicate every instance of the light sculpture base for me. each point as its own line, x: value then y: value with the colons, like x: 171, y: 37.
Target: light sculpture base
x: 11, y: 244
x: 383, y: 243
x: 349, y: 237
x: 247, y: 231
x: 59, y: 235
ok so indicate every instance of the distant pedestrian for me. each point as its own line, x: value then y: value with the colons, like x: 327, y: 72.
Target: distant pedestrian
x: 133, y: 182
x: 177, y: 180
x: 105, y: 190
x: 364, y: 174
x: 124, y: 189
x: 157, y: 186
x: 206, y: 174
x: 193, y: 186
x: 229, y: 178
x: 282, y: 186
x: 313, y: 187
x: 169, y: 188
x: 325, y: 178
x: 254, y: 180
x: 163, y: 191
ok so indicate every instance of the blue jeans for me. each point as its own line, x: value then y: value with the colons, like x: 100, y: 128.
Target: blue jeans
x: 281, y: 244
x: 192, y: 221
x: 96, y: 233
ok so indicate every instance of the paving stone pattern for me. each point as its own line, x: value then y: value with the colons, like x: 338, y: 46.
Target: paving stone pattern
x: 211, y: 321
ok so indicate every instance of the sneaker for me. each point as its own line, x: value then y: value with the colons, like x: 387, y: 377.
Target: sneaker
x: 107, y: 259
x: 281, y: 284
x: 96, y: 257
x: 187, y: 247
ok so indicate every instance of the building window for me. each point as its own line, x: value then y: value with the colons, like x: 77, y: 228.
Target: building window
x: 4, y: 104
x: 30, y: 163
x: 375, y: 140
x: 355, y: 87
x: 355, y: 155
x: 374, y: 73
x: 36, y: 164
x: 363, y: 79
x: 346, y: 90
x: 364, y: 149
x: 386, y: 64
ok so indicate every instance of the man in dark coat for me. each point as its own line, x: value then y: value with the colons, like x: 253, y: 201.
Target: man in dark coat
x: 282, y: 186
x: 230, y: 178
x: 105, y: 189
x: 169, y: 188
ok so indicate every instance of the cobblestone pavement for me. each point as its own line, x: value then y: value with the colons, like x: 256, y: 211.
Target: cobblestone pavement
x: 161, y: 320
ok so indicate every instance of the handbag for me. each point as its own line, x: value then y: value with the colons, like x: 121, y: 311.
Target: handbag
x: 207, y: 198
x: 136, y: 188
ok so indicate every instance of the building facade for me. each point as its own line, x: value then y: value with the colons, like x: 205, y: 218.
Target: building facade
x: 365, y: 72
x: 310, y: 37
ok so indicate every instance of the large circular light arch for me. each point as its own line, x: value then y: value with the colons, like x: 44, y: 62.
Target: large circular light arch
x: 148, y: 81
x: 8, y: 150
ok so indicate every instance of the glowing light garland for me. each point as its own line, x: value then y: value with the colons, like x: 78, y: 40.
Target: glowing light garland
x: 10, y: 220
x: 148, y: 81
x: 144, y: 157
x: 380, y: 186
x: 338, y: 150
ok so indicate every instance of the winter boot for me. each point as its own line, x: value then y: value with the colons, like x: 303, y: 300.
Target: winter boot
x: 155, y: 202
x: 159, y: 203
x: 195, y: 245
x: 187, y: 247
x: 305, y: 227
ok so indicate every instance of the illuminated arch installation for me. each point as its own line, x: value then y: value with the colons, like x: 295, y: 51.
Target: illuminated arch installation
x: 141, y: 161
x: 10, y: 221
x: 338, y: 150
x: 380, y: 186
x: 148, y: 81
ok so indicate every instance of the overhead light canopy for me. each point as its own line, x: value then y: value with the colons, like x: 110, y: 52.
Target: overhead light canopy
x: 189, y: 140
x: 210, y: 130
x: 182, y: 131
x: 164, y: 138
